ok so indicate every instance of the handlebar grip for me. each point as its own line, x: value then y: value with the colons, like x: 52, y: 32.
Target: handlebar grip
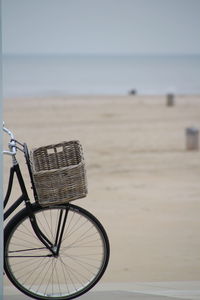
x: 8, y: 132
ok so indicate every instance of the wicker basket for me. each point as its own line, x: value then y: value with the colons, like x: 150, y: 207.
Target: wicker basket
x: 59, y: 173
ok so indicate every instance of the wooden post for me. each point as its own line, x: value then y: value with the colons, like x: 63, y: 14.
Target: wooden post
x: 170, y: 99
x: 192, y: 138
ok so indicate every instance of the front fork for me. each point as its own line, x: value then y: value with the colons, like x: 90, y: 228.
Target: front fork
x: 53, y: 246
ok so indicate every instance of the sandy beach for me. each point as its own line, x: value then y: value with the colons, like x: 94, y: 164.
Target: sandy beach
x: 143, y: 184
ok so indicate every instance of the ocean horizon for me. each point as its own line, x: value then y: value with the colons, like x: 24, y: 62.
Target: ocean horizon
x: 62, y: 75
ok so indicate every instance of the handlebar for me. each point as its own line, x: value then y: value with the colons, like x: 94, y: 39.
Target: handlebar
x: 11, y: 144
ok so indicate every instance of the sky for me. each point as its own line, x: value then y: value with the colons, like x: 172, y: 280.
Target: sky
x: 101, y: 26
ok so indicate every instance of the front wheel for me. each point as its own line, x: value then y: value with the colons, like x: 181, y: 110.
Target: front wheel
x: 82, y: 259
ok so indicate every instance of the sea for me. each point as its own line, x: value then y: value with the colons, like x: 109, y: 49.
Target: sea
x: 62, y: 75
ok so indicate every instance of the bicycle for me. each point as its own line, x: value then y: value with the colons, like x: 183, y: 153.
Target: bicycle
x: 54, y: 252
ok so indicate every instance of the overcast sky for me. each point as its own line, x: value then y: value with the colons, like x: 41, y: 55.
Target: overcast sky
x: 101, y: 26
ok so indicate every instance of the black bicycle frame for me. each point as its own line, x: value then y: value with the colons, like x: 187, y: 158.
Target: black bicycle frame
x: 54, y: 248
x: 24, y: 197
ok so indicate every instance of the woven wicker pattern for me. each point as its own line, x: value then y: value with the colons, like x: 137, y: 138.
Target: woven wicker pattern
x: 59, y: 173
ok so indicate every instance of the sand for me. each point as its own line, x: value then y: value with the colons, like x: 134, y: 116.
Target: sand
x: 143, y: 185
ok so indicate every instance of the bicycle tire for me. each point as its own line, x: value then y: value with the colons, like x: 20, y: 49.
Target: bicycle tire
x: 83, y: 259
